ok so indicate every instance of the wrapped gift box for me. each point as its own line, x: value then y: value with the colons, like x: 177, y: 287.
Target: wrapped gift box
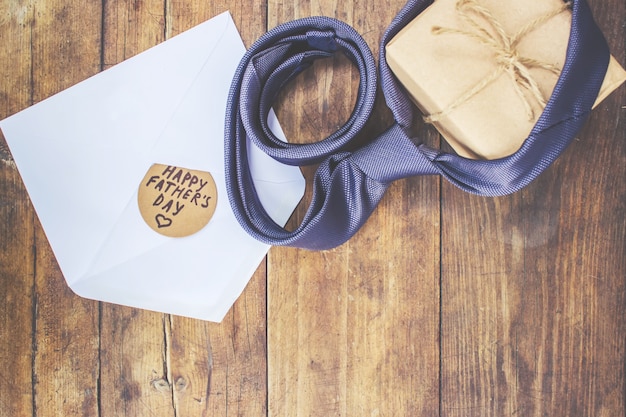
x: 444, y: 55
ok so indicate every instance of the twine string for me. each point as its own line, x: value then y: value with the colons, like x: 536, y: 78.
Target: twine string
x: 487, y: 30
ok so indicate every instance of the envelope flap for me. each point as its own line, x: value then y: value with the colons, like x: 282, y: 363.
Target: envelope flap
x: 193, y: 138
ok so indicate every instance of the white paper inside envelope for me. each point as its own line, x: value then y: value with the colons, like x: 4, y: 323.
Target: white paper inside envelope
x: 83, y: 155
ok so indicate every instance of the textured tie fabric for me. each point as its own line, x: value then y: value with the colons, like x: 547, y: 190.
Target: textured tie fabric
x: 349, y: 185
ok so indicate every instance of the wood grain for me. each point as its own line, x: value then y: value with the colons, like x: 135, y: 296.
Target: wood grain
x: 444, y: 304
x: 354, y: 330
x: 238, y: 379
x: 17, y: 229
x: 533, y: 291
x: 16, y: 291
x: 224, y: 367
x: 134, y: 375
x: 66, y: 327
x: 168, y: 361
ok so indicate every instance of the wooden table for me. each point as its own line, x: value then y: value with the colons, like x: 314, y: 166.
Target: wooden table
x: 444, y: 304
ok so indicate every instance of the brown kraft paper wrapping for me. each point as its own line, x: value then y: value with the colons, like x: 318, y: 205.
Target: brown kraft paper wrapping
x: 438, y: 69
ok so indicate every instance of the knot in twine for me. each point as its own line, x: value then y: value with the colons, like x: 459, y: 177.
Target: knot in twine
x: 507, y: 57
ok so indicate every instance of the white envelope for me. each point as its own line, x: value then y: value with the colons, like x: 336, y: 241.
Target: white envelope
x: 83, y: 153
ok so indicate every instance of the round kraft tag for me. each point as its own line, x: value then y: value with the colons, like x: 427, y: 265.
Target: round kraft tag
x: 175, y: 201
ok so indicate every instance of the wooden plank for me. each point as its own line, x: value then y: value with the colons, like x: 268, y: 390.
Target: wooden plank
x: 134, y: 363
x: 16, y: 290
x: 533, y: 289
x: 131, y: 27
x: 307, y: 291
x: 483, y: 253
x: 65, y: 48
x: 354, y: 330
x: 250, y: 17
x: 189, y: 367
x: 66, y: 343
x: 217, y: 369
x: 16, y: 224
x: 238, y: 382
x: 222, y: 371
x: 134, y: 357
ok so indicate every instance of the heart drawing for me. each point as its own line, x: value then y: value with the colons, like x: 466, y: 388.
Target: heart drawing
x: 163, y: 221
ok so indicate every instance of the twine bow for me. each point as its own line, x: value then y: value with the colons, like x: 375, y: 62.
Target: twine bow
x: 506, y: 54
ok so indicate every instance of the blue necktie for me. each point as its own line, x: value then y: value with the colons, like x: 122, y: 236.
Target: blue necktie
x: 349, y: 185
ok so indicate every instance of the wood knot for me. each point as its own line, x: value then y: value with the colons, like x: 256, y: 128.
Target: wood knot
x: 160, y: 385
x: 180, y: 384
